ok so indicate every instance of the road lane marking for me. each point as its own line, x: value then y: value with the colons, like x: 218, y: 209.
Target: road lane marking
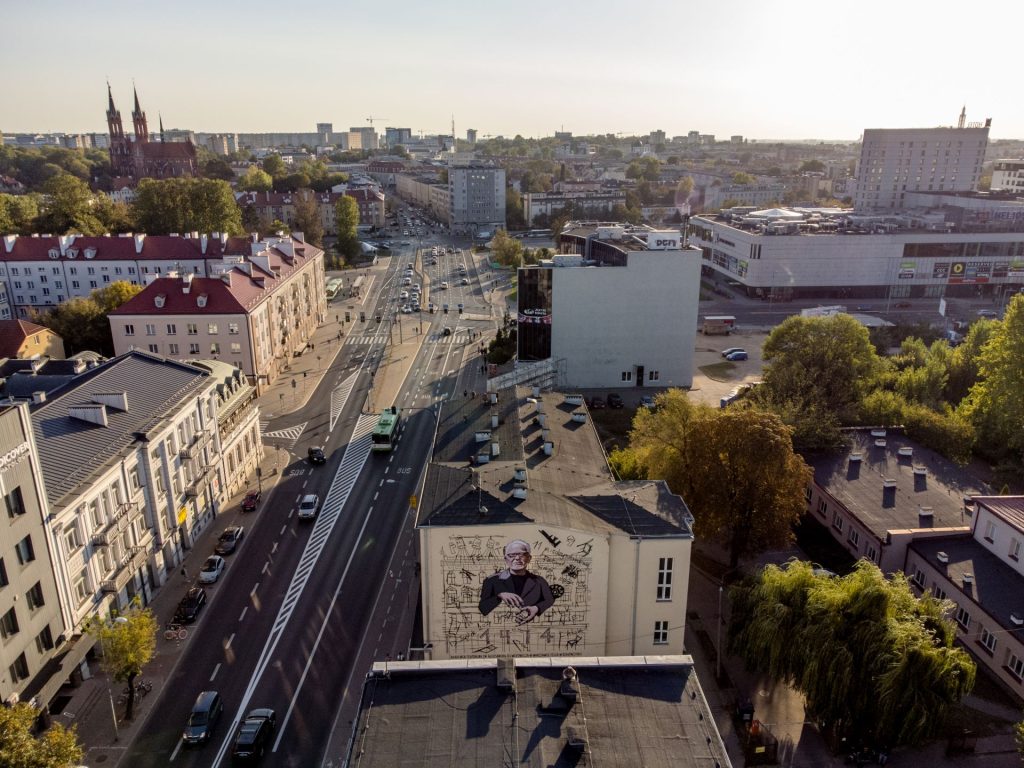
x: 376, y: 495
x: 273, y: 549
x: 253, y: 592
x: 265, y: 566
x: 177, y: 749
x: 228, y: 643
x: 283, y: 529
x: 243, y: 613
x: 215, y: 671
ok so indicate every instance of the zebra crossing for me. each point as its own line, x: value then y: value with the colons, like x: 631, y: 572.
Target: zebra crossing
x: 290, y: 435
x: 435, y: 338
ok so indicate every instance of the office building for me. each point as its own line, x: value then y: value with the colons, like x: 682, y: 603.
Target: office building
x: 363, y: 138
x: 395, y: 136
x: 581, y: 204
x: 1008, y: 176
x: 476, y: 199
x: 643, y: 283
x: 471, y: 135
x: 895, y: 161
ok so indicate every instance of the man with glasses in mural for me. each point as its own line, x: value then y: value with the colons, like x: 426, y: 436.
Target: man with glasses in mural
x: 515, y: 586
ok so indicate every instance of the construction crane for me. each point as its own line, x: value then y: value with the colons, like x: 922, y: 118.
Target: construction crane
x: 371, y: 118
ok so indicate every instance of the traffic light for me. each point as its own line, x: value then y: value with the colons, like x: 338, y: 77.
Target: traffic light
x: 460, y: 310
x: 347, y: 317
x: 362, y: 317
x: 378, y: 318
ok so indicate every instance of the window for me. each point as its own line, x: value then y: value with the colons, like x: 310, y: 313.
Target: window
x: 34, y: 597
x: 837, y: 521
x: 1016, y: 666
x: 963, y: 618
x: 653, y: 375
x: 990, y: 532
x: 172, y: 329
x: 938, y: 592
x: 823, y: 508
x: 44, y: 640
x: 627, y: 375
x: 172, y: 349
x: 133, y: 478
x: 236, y: 348
x: 1015, y: 549
x: 192, y: 329
x: 808, y: 493
x: 215, y: 348
x: 193, y: 349
x: 233, y: 329
x: 15, y: 503
x: 988, y: 640
x: 81, y: 590
x: 9, y: 624
x: 3, y: 574
x: 93, y: 284
x: 661, y: 633
x: 129, y: 329
x: 151, y: 329
x: 26, y: 554
x: 664, y: 578
x: 918, y: 578
x: 19, y: 669
x: 72, y: 539
x: 154, y: 348
x: 212, y: 329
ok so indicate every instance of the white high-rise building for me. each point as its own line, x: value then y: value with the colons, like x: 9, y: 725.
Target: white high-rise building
x: 1008, y: 176
x: 894, y: 161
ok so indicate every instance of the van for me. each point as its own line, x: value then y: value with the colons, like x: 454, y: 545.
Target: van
x: 718, y: 325
x: 203, y: 718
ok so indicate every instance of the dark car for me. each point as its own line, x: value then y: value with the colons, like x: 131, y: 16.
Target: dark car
x: 251, y: 501
x: 733, y: 357
x: 190, y: 605
x: 203, y: 718
x: 596, y: 403
x: 316, y: 455
x: 229, y: 540
x: 254, y: 735
x: 615, y: 400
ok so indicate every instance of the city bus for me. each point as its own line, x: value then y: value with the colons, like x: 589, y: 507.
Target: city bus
x: 386, y: 432
x: 357, y: 287
x: 334, y: 286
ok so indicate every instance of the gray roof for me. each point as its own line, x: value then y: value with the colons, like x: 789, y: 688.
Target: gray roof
x: 72, y: 451
x: 996, y: 587
x: 642, y: 711
x: 858, y: 485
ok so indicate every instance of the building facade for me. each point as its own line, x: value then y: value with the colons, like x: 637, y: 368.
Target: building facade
x: 140, y: 158
x: 476, y: 199
x: 1008, y: 176
x: 641, y: 279
x: 20, y: 338
x: 582, y: 204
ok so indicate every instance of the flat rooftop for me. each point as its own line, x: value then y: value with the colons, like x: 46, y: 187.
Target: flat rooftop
x: 570, y: 485
x: 938, y: 485
x: 627, y: 711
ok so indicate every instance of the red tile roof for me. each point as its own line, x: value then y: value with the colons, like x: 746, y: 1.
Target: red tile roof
x: 283, y: 198
x: 13, y: 334
x: 155, y: 247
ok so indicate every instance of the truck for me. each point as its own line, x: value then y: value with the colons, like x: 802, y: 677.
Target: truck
x: 717, y: 325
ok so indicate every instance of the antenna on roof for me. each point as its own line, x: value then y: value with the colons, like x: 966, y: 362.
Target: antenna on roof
x: 963, y: 117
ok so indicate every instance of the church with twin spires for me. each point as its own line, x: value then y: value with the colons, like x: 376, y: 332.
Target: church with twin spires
x: 140, y: 158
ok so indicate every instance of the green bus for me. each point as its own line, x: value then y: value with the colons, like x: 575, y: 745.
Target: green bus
x: 386, y: 432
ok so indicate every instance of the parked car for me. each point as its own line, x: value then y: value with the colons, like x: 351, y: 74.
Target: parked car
x: 315, y: 454
x: 251, y: 501
x: 987, y: 313
x: 730, y: 350
x: 736, y: 356
x: 596, y: 403
x: 229, y: 540
x: 212, y: 569
x: 615, y: 400
x: 254, y: 735
x: 309, y: 506
x: 446, y: 331
x: 190, y: 605
x: 203, y: 718
x: 647, y: 401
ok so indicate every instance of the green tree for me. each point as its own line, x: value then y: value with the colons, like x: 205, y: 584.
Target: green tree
x: 735, y: 468
x: 346, y: 217
x: 742, y: 178
x: 82, y: 322
x: 307, y: 217
x: 218, y: 168
x: 811, y: 166
x: 683, y: 190
x: 21, y: 211
x: 274, y: 165
x: 874, y: 662
x: 57, y: 747
x: 255, y: 179
x: 400, y: 151
x: 128, y: 643
x: 186, y: 205
x: 292, y: 182
x: 964, y: 362
x: 514, y: 215
x: 68, y: 207
x: 507, y: 250
x: 112, y: 296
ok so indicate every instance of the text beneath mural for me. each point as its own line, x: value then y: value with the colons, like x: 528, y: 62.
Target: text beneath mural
x: 513, y: 597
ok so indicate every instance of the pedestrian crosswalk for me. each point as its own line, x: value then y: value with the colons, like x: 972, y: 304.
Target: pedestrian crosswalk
x: 457, y: 338
x: 287, y: 436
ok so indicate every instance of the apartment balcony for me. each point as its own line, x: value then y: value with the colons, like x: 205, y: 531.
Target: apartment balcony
x: 116, y: 525
x: 130, y: 563
x: 198, y: 484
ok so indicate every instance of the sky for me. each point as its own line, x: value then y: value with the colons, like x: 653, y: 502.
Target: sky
x: 788, y: 69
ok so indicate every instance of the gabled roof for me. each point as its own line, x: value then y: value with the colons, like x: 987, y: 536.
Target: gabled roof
x: 206, y: 296
x: 13, y: 334
x: 152, y: 247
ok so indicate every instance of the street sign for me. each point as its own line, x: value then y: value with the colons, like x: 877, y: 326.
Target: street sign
x: 412, y: 501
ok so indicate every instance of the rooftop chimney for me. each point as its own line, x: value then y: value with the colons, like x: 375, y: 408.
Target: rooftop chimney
x: 186, y: 282
x: 203, y: 239
x: 138, y: 242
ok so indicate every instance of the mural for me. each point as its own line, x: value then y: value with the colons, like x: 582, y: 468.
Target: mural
x: 506, y: 596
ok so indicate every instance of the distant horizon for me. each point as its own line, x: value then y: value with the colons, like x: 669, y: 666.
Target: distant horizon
x: 732, y: 68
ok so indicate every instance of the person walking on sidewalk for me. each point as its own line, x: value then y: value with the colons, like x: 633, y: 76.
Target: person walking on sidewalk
x: 184, y: 573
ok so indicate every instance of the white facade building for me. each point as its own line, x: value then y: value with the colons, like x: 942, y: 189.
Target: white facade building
x: 642, y: 284
x: 1008, y: 176
x: 894, y: 161
x: 476, y: 199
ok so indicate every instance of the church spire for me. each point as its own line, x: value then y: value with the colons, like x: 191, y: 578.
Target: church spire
x: 139, y: 120
x: 161, y: 127
x: 110, y: 100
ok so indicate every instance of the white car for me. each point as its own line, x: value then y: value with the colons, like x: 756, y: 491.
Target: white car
x: 309, y: 506
x: 464, y: 281
x: 212, y: 569
x: 403, y: 295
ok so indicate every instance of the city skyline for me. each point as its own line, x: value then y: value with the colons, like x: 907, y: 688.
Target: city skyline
x: 588, y: 68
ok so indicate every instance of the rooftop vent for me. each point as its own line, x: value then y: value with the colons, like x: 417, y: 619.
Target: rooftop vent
x: 968, y: 579
x: 921, y: 471
x: 567, y: 689
x: 880, y: 442
x: 942, y: 557
x: 906, y: 451
x: 92, y: 413
x: 928, y: 512
x: 158, y: 300
x: 888, y: 482
x: 201, y: 300
x: 519, y: 474
x: 580, y: 417
x: 518, y: 493
x: 116, y: 400
x: 506, y: 675
x: 574, y: 399
x: 856, y: 456
x: 878, y: 433
x: 39, y: 397
x: 1016, y: 619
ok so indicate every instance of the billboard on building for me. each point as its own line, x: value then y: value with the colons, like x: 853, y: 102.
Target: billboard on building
x: 515, y: 591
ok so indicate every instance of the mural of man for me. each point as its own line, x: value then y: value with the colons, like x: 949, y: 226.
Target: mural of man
x: 516, y: 586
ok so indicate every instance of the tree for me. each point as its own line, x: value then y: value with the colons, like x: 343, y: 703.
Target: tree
x: 21, y: 213
x: 811, y: 166
x: 307, y: 217
x: 128, y: 643
x: 683, y: 190
x: 507, y: 250
x: 274, y: 165
x: 218, y: 168
x: 742, y: 178
x: 57, y: 747
x: 514, y: 215
x: 256, y: 179
x: 186, y: 205
x: 82, y: 322
x: 112, y: 296
x: 68, y: 207
x: 735, y: 468
x: 346, y: 217
x: 875, y: 663
x: 400, y: 151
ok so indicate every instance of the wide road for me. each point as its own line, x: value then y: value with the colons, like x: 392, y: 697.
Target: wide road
x: 288, y: 625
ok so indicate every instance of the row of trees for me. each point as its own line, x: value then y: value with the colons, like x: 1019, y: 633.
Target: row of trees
x: 82, y: 322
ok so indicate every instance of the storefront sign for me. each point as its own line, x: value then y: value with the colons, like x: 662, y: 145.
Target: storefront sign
x: 13, y: 457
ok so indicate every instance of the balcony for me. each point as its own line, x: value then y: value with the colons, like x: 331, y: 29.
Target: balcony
x: 130, y: 563
x: 117, y: 524
x: 198, y: 484
x: 189, y: 452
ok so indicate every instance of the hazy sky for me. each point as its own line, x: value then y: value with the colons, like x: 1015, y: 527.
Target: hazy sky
x: 763, y: 69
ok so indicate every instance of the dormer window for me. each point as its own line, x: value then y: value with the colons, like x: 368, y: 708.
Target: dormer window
x: 90, y: 253
x: 72, y: 253
x: 54, y: 253
x: 159, y: 300
x: 201, y: 300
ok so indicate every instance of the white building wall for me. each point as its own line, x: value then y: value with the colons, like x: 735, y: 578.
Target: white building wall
x: 1008, y: 175
x: 646, y: 316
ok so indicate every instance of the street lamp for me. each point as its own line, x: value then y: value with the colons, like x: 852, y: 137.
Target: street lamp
x: 718, y: 658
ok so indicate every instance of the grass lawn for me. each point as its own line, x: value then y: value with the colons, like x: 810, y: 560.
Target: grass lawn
x: 719, y: 371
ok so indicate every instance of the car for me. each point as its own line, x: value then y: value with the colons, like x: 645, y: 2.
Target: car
x: 597, y: 403
x: 647, y: 402
x: 212, y: 569
x: 987, y: 313
x: 229, y: 540
x: 444, y: 308
x: 403, y: 295
x: 254, y: 734
x: 461, y: 307
x: 309, y: 506
x: 202, y: 720
x: 190, y: 605
x: 464, y: 281
x: 316, y: 455
x: 615, y: 400
x: 406, y: 309
x: 251, y: 501
x: 444, y: 285
x: 431, y: 307
x: 736, y: 356
x: 730, y: 350
x: 864, y: 308
x: 446, y: 331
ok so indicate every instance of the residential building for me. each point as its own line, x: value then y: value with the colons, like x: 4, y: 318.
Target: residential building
x: 537, y: 712
x: 759, y: 194
x: 254, y: 312
x: 395, y: 136
x: 20, y: 338
x: 326, y: 133
x: 476, y: 199
x: 425, y: 191
x: 894, y: 161
x: 280, y: 206
x: 141, y: 158
x: 271, y: 140
x: 5, y: 300
x: 582, y: 204
x: 642, y: 279
x: 609, y: 560
x: 363, y: 137
x: 1008, y: 176
x: 371, y: 205
x: 948, y: 245
x: 384, y: 171
x: 33, y: 627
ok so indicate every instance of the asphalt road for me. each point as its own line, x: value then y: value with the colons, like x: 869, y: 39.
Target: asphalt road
x: 292, y: 623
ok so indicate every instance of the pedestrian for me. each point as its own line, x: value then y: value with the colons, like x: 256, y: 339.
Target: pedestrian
x: 465, y: 393
x: 184, y: 572
x: 474, y: 394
